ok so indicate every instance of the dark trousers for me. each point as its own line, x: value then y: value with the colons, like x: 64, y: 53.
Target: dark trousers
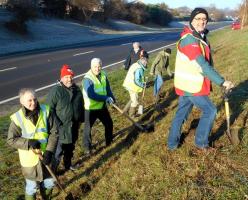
x: 90, y: 116
x: 66, y: 150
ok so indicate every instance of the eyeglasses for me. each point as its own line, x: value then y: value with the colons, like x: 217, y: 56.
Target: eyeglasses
x: 201, y: 19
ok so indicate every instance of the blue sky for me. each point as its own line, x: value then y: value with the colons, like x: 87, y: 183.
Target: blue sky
x: 232, y: 4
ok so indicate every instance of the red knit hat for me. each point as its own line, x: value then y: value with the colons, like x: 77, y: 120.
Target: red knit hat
x: 66, y: 70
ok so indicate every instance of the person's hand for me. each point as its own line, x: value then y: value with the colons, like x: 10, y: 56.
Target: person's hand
x: 34, y: 144
x: 47, y: 157
x: 228, y: 85
x: 172, y: 76
x: 109, y: 100
x: 152, y: 74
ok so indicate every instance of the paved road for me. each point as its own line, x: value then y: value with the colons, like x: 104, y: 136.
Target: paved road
x: 42, y: 69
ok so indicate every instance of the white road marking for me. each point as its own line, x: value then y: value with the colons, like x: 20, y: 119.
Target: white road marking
x: 78, y: 54
x: 80, y: 75
x: 7, y: 69
x: 161, y: 47
x: 126, y: 44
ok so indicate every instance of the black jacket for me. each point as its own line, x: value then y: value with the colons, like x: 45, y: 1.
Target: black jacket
x: 132, y: 58
x: 67, y: 106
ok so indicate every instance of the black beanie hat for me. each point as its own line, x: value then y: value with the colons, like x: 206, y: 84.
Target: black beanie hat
x: 196, y: 11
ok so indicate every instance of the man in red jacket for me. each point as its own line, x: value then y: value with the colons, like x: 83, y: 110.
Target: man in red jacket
x: 194, y: 73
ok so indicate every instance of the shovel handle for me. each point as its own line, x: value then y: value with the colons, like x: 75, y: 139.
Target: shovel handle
x: 143, y: 92
x: 38, y: 152
x: 227, y: 111
x: 128, y: 117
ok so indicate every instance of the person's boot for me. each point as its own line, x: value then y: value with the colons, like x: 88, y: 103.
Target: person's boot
x: 30, y: 197
x: 46, y: 193
x: 132, y: 112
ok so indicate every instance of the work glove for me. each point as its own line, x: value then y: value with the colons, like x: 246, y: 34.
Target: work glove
x: 34, y: 144
x: 47, y: 157
x: 172, y: 75
x: 228, y: 85
x: 109, y: 100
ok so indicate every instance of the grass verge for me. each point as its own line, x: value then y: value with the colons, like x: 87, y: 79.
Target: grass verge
x: 138, y: 166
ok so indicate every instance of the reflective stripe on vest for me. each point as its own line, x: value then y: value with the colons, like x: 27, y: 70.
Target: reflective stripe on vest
x: 129, y: 83
x: 99, y: 88
x: 31, y: 131
x: 188, y: 73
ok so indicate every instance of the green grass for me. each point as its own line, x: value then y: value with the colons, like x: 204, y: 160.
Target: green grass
x: 138, y: 165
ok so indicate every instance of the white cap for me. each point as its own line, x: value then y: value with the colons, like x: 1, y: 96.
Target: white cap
x: 95, y: 61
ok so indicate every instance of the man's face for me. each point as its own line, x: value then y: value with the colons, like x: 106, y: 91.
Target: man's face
x: 96, y: 69
x: 136, y: 47
x: 67, y: 80
x: 199, y: 22
x: 29, y: 101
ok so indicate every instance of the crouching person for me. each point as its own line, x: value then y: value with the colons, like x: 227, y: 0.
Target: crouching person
x: 134, y: 82
x: 33, y: 130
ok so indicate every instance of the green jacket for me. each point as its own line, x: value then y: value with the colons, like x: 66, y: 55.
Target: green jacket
x: 161, y: 63
x: 67, y: 106
x: 15, y: 139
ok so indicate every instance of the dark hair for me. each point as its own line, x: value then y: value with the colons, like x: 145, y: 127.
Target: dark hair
x: 168, y: 50
x: 144, y: 54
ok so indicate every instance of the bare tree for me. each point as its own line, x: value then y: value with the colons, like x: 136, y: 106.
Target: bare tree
x: 215, y: 13
x: 87, y: 7
x: 116, y: 9
x: 243, y: 12
x: 24, y: 10
x: 137, y: 13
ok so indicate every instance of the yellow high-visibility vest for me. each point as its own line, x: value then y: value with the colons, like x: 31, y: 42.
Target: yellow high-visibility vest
x: 129, y: 83
x: 30, y: 131
x: 188, y: 73
x: 99, y: 88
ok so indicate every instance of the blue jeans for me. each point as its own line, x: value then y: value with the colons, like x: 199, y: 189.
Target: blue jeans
x: 158, y: 82
x: 204, y: 127
x: 31, y: 186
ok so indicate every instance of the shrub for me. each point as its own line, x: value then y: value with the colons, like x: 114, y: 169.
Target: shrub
x: 137, y: 13
x: 159, y: 15
x: 24, y: 11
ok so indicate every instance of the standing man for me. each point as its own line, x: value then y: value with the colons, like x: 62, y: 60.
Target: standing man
x: 33, y: 129
x: 66, y: 102
x: 160, y: 63
x: 193, y: 75
x: 133, y: 56
x: 97, y: 93
x: 134, y: 81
